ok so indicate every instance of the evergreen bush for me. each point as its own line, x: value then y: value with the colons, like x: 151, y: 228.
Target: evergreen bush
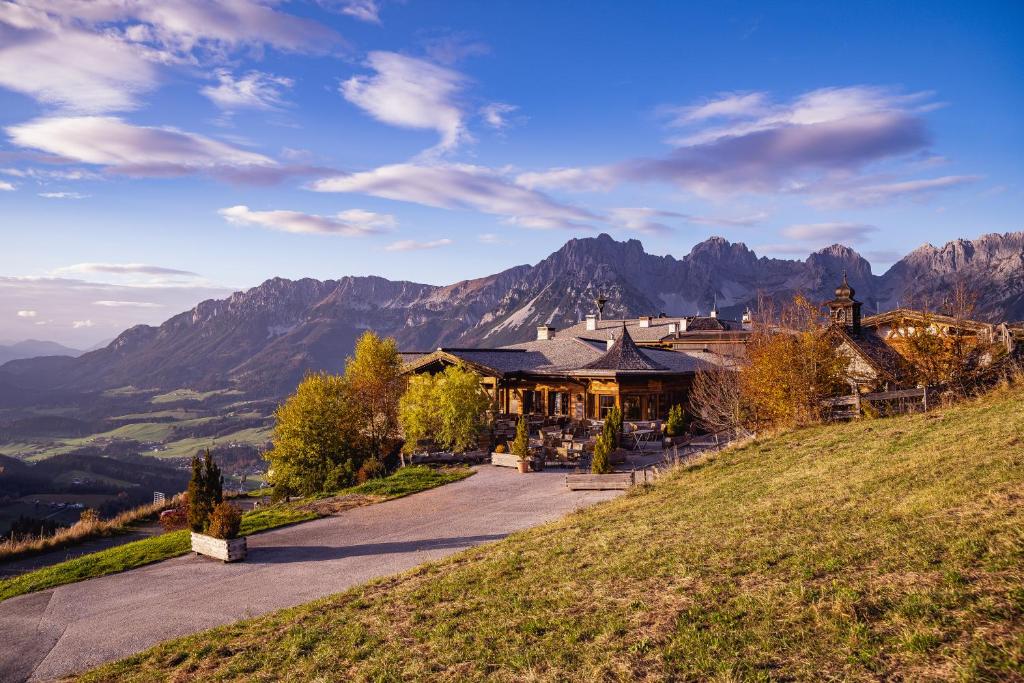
x: 205, y: 492
x: 601, y: 463
x: 521, y: 444
x: 676, y: 425
x: 225, y: 521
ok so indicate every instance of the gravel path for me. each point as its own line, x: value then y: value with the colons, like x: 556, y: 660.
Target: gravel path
x: 69, y: 629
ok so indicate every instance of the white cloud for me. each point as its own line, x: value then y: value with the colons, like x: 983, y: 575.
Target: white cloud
x: 254, y: 90
x: 643, y: 219
x: 491, y: 238
x: 410, y: 93
x: 27, y: 314
x: 107, y: 303
x: 363, y: 10
x: 78, y: 324
x: 353, y: 222
x: 869, y: 194
x: 136, y: 150
x: 6, y: 186
x: 68, y: 68
x: 459, y: 186
x: 496, y: 114
x: 729, y: 105
x: 65, y: 300
x: 122, y: 269
x: 769, y: 148
x: 829, y: 231
x: 63, y: 195
x: 413, y: 245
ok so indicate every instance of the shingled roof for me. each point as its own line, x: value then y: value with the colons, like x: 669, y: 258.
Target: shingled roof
x: 624, y: 356
x: 876, y: 352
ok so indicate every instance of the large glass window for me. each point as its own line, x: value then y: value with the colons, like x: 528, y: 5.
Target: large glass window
x: 558, y: 403
x: 604, y: 405
x: 631, y: 408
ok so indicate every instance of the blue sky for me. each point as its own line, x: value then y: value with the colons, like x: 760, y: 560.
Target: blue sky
x: 154, y: 154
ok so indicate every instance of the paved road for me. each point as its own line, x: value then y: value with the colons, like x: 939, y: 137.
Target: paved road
x: 69, y: 629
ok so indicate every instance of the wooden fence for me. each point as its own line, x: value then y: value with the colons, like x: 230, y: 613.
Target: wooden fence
x: 881, y: 403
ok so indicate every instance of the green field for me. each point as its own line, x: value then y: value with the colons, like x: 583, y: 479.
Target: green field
x: 192, y: 395
x: 888, y: 549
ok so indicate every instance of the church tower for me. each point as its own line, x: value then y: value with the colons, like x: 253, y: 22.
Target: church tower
x: 844, y: 310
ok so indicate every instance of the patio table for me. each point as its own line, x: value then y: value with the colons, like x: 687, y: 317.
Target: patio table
x: 642, y: 436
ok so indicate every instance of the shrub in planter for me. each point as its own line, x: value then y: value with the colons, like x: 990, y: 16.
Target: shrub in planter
x: 205, y: 492
x: 613, y: 427
x: 601, y: 462
x: 501, y: 448
x: 225, y: 522
x: 521, y: 444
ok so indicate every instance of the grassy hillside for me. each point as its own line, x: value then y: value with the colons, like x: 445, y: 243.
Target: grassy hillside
x: 887, y: 549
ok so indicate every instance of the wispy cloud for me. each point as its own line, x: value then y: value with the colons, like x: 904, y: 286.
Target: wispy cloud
x: 870, y: 194
x: 122, y: 269
x: 459, y: 186
x: 6, y: 186
x: 107, y: 303
x: 135, y: 150
x: 491, y: 238
x: 646, y: 220
x: 27, y: 313
x: 829, y: 231
x: 413, y: 245
x: 64, y: 195
x: 747, y: 144
x: 363, y: 10
x: 78, y: 324
x: 253, y: 90
x: 496, y: 114
x: 411, y: 93
x: 354, y: 222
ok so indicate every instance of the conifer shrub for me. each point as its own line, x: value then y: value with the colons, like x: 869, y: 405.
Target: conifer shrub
x: 613, y: 427
x: 225, y: 521
x: 205, y: 492
x: 601, y: 463
x: 675, y: 425
x: 501, y: 448
x: 521, y: 444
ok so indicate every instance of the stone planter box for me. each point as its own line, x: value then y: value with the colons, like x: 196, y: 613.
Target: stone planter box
x: 504, y: 460
x: 616, y: 481
x: 224, y: 549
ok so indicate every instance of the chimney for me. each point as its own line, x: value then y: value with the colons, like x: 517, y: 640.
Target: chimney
x: 645, y: 321
x: 591, y: 322
x: 672, y: 328
x: 682, y: 324
x: 714, y: 312
x: 545, y: 332
x: 746, y: 319
x: 610, y: 342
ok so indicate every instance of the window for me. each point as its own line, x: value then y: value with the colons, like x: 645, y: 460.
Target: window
x: 558, y: 403
x: 604, y: 405
x: 652, y: 407
x: 631, y: 408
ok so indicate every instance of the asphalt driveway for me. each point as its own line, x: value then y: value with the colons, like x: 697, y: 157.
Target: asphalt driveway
x: 69, y: 629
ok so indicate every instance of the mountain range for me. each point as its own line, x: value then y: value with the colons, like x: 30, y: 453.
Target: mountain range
x: 262, y: 340
x: 33, y: 348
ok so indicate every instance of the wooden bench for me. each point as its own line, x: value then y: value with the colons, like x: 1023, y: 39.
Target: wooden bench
x: 617, y: 481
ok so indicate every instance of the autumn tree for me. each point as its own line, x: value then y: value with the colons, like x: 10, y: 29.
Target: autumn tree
x: 375, y: 384
x: 418, y: 414
x: 318, y: 440
x: 449, y: 409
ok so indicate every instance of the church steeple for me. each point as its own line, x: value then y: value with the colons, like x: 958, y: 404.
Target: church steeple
x: 844, y: 310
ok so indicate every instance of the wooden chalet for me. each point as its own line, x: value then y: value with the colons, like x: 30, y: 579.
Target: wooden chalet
x: 578, y: 373
x: 874, y: 345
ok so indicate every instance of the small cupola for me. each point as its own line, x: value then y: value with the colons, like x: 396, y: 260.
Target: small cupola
x: 844, y: 310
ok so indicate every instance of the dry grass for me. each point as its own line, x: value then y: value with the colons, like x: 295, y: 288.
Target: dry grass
x: 82, y: 530
x: 880, y: 550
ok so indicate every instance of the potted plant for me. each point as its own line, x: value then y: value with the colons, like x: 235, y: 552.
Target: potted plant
x: 521, y: 445
x: 214, y: 522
